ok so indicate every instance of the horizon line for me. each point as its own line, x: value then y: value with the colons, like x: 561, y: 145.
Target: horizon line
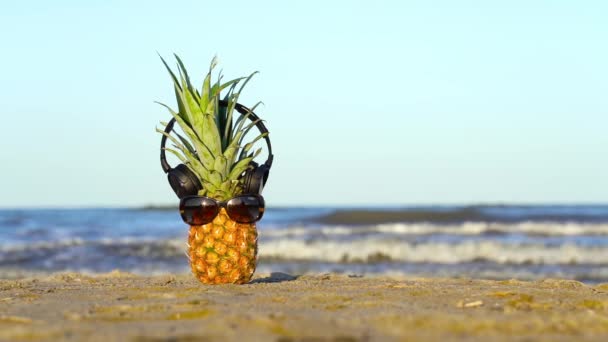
x: 325, y: 205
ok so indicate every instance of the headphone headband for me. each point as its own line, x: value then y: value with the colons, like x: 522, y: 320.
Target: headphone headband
x: 243, y: 111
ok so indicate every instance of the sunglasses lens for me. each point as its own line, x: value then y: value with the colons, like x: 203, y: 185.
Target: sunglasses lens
x: 245, y: 209
x: 197, y: 211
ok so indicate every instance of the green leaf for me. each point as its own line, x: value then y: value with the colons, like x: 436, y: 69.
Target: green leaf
x: 222, y: 118
x: 182, y: 68
x: 215, y: 178
x: 211, y: 135
x: 205, y: 92
x: 169, y: 69
x: 229, y: 98
x: 234, y: 186
x: 243, y: 117
x: 225, y: 187
x: 238, y: 93
x: 186, y: 111
x: 197, y: 167
x: 178, y: 90
x: 247, y: 129
x: 230, y: 83
x: 230, y: 154
x: 240, y: 133
x: 194, y: 112
x: 205, y: 153
x: 249, y: 145
x: 211, y: 187
x: 220, y: 164
x: 180, y: 104
x: 235, y: 97
x: 213, y: 63
x: 246, y: 81
x: 239, y: 168
x: 257, y: 152
x: 177, y: 144
x: 215, y: 89
x: 177, y: 154
x: 186, y: 143
x: 211, y: 106
x: 219, y: 120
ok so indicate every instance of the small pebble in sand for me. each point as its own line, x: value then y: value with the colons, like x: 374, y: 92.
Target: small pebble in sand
x: 462, y: 304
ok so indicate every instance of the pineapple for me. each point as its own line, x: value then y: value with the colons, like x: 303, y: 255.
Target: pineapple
x: 222, y: 251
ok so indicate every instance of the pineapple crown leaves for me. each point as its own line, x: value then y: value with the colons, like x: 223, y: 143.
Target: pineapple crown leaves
x: 213, y: 137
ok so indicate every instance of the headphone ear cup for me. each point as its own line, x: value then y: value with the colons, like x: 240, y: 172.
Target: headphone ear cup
x: 246, y: 181
x: 247, y: 177
x: 183, y: 181
x: 265, y: 173
x: 261, y: 176
x: 255, y: 179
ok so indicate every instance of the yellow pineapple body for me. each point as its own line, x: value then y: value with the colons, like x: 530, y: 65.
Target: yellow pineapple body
x: 223, y: 251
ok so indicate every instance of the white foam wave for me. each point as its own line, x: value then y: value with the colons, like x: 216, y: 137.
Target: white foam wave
x: 369, y: 250
x: 42, y: 245
x: 467, y: 228
x: 133, y: 246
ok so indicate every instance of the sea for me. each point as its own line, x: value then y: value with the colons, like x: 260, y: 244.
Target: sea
x: 486, y: 241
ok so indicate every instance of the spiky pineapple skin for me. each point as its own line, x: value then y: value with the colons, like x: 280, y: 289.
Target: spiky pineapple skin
x: 223, y: 251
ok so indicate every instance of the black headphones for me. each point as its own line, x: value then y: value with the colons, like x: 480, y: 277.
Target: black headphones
x: 185, y: 183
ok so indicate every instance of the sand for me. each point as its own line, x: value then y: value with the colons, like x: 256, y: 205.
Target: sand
x: 122, y: 307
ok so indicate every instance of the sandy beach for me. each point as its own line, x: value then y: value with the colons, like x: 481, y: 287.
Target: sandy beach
x: 280, y: 307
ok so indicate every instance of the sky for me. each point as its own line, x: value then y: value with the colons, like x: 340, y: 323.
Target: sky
x: 367, y: 102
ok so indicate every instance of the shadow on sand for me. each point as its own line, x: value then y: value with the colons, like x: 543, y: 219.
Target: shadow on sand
x: 275, y: 277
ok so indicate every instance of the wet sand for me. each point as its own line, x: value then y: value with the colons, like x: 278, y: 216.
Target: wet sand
x: 279, y: 307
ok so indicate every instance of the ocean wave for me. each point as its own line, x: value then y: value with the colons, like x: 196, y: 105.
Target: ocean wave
x: 80, y: 251
x: 547, y: 228
x: 381, y: 250
x: 368, y: 250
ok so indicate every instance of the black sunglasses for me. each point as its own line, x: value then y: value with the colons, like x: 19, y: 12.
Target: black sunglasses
x: 199, y: 210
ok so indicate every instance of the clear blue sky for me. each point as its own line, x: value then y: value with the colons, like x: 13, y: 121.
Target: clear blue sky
x: 368, y: 102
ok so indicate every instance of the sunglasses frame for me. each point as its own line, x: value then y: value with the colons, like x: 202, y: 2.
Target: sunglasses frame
x: 220, y: 205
